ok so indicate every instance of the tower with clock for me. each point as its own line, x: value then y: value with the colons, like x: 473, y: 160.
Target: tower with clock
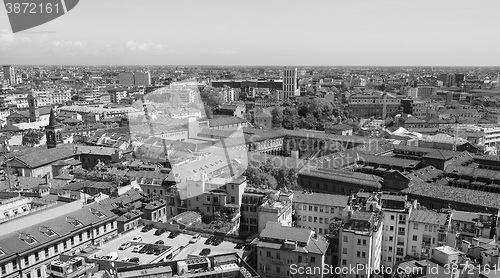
x: 53, y: 131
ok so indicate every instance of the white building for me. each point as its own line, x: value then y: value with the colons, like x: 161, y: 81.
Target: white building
x: 290, y: 81
x: 361, y: 236
x: 315, y: 211
x: 427, y: 229
x: 9, y: 74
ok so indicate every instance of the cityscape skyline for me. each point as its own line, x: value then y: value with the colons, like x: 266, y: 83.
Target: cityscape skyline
x: 339, y: 33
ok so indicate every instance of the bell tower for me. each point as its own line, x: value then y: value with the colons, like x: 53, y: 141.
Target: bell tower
x: 53, y: 131
x: 34, y: 114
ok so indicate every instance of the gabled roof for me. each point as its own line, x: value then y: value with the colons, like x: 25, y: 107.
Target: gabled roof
x: 38, y: 157
x: 320, y: 199
x: 428, y: 217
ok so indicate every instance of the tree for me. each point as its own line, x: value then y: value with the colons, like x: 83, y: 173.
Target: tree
x: 214, y: 99
x: 208, y: 111
x: 290, y: 118
x: 277, y: 120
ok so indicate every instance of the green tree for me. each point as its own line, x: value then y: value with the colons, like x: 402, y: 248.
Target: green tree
x: 277, y: 120
x: 290, y: 118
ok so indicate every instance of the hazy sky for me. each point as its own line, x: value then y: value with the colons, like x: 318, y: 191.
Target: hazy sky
x: 262, y: 32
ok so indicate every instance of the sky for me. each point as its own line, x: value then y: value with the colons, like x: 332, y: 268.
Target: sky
x: 262, y: 32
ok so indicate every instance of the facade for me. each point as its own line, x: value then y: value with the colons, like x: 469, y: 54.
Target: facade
x: 290, y: 81
x: 315, y: 211
x: 53, y: 132
x: 427, y: 229
x: 278, y: 247
x: 9, y: 74
x: 372, y: 105
x: 126, y: 78
x: 29, y: 252
x: 361, y: 236
x: 142, y: 79
x: 396, y: 209
x: 276, y: 210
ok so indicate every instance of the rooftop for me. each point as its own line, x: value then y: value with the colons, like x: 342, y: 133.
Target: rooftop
x: 428, y: 217
x: 320, y: 199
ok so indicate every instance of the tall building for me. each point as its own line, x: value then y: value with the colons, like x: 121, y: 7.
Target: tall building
x: 142, y: 79
x: 127, y: 78
x: 9, y: 74
x: 396, y: 209
x: 290, y: 81
x: 281, y: 251
x: 361, y: 236
x: 34, y: 114
x: 53, y: 132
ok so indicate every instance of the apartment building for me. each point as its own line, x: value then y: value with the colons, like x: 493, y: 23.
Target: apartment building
x: 361, y: 236
x: 28, y: 252
x: 276, y: 209
x: 315, y: 211
x: 396, y: 209
x: 282, y: 249
x: 427, y: 229
x: 371, y: 105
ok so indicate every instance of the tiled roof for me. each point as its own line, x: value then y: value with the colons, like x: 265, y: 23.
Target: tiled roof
x: 386, y: 160
x: 42, y: 156
x: 473, y: 172
x: 454, y: 194
x: 343, y: 176
x: 225, y: 121
x: 274, y: 230
x: 441, y: 154
x: 428, y: 217
x: 12, y: 243
x: 320, y: 199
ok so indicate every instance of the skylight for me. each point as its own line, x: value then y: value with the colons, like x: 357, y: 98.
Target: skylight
x: 74, y: 222
x: 97, y: 213
x: 27, y: 238
x: 2, y: 252
x: 47, y: 231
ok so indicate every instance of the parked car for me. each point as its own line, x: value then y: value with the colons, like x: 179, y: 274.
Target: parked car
x: 137, y: 239
x: 126, y: 259
x: 160, y: 242
x: 239, y: 245
x: 113, y: 256
x: 218, y: 241
x: 147, y: 228
x: 205, y: 252
x: 195, y: 238
x: 137, y: 248
x: 134, y: 260
x: 174, y: 234
x: 210, y: 240
x: 125, y: 245
x: 151, y: 250
x: 159, y: 232
x: 160, y: 250
x: 144, y: 249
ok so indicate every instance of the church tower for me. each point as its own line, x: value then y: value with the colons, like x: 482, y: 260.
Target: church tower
x: 34, y: 114
x: 53, y: 131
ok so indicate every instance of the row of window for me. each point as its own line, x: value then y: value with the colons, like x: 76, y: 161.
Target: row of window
x: 324, y: 209
x: 313, y: 219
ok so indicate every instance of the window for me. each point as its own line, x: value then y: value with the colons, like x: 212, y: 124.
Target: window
x: 391, y: 238
x: 332, y: 210
x: 315, y: 219
x: 277, y: 255
x: 268, y: 254
x: 315, y: 208
x: 392, y: 217
x: 345, y: 239
x: 344, y: 250
x: 391, y: 228
x: 359, y: 241
x: 415, y: 238
x: 37, y: 257
x: 415, y: 226
x: 310, y: 208
x: 344, y: 262
x: 313, y: 259
x: 358, y: 254
x: 73, y: 222
x: 27, y: 238
x: 26, y: 260
x: 310, y: 219
x: 46, y: 252
x: 278, y: 270
x: 364, y: 242
x: 47, y: 231
x: 321, y: 220
x: 363, y: 255
x: 321, y: 209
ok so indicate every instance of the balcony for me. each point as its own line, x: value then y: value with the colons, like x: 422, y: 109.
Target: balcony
x: 401, y: 233
x: 402, y: 222
x: 399, y: 253
x: 401, y: 243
